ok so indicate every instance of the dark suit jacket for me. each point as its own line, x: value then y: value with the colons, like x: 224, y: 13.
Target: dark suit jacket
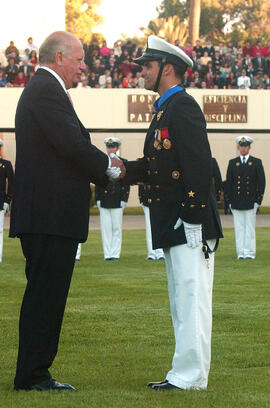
x: 6, y: 182
x: 177, y: 172
x: 245, y: 183
x: 55, y: 162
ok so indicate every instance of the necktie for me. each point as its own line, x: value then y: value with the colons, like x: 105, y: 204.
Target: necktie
x: 69, y: 97
x: 244, y: 160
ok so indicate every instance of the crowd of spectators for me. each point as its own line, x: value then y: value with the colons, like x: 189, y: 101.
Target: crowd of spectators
x: 224, y: 66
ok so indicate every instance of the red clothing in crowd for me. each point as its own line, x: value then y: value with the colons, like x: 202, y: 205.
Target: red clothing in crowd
x: 104, y: 51
x: 19, y: 81
x: 255, y: 49
x: 128, y: 82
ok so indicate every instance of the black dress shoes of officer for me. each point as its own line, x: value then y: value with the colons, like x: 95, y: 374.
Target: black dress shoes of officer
x: 166, y: 386
x: 150, y: 384
x: 48, y: 385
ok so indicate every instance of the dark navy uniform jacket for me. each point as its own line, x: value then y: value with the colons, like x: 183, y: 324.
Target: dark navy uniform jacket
x: 112, y: 195
x: 143, y: 194
x: 217, y: 180
x: 6, y: 182
x: 177, y: 170
x: 245, y: 183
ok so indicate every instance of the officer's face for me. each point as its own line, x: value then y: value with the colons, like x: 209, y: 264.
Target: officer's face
x: 112, y: 150
x: 243, y: 150
x: 150, y: 70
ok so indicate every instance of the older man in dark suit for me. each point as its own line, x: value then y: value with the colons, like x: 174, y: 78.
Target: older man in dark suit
x: 55, y: 162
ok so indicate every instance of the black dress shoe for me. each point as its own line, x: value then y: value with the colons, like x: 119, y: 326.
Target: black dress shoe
x: 48, y: 385
x: 107, y: 259
x: 164, y: 387
x: 114, y: 259
x: 150, y: 384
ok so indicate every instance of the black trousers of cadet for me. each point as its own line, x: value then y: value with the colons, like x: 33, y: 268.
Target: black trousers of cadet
x: 49, y: 266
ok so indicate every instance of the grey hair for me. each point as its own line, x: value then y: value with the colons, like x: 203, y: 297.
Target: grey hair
x: 51, y: 46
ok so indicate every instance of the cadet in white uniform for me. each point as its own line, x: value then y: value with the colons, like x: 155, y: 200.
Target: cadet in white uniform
x: 246, y: 184
x: 111, y: 202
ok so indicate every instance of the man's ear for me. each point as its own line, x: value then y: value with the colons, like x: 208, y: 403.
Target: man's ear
x: 168, y: 69
x: 59, y: 58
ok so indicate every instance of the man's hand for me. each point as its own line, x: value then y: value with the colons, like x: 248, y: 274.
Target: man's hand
x: 116, y: 162
x: 193, y: 234
x: 98, y: 203
x: 116, y: 170
x: 123, y: 204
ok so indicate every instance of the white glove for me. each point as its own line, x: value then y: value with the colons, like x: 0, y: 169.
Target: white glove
x: 193, y: 234
x: 178, y: 224
x: 113, y: 172
x: 114, y: 156
x: 98, y: 203
x: 5, y: 207
x: 256, y: 206
x: 123, y: 204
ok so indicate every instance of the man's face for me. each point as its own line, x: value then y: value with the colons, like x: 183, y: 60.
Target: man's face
x: 111, y: 150
x: 73, y: 65
x: 243, y: 150
x: 150, y: 70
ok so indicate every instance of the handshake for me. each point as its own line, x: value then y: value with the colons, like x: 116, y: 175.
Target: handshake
x: 116, y: 169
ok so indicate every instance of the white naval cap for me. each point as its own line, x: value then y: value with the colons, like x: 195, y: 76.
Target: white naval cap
x: 112, y: 142
x: 244, y: 140
x: 157, y: 49
x: 1, y: 143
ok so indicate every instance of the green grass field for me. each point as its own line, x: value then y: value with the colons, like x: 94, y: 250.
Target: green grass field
x: 117, y: 333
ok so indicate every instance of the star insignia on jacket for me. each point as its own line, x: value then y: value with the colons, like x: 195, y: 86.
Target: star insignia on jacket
x: 191, y: 193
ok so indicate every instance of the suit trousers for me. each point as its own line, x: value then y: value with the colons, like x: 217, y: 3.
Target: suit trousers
x: 2, y: 217
x: 111, y: 231
x: 151, y: 253
x: 190, y: 283
x: 245, y: 234
x: 49, y: 266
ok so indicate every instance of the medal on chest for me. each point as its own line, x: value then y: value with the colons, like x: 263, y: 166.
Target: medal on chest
x: 161, y: 138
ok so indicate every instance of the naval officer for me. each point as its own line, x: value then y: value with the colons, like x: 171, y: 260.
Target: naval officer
x: 245, y: 184
x: 6, y: 185
x: 111, y: 202
x: 177, y: 167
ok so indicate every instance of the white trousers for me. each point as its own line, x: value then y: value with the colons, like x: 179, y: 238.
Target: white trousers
x: 111, y: 231
x: 78, y: 253
x: 151, y: 253
x: 2, y: 216
x: 190, y: 284
x: 245, y: 235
